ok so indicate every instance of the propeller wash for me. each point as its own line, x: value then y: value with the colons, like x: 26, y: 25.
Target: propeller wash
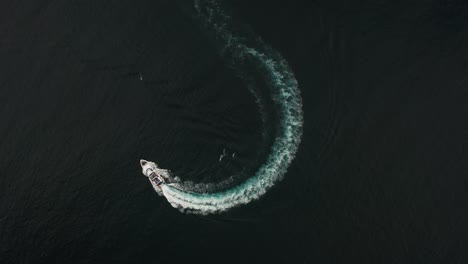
x: 241, y: 52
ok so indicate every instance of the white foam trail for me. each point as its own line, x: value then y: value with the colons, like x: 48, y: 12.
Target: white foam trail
x: 287, y: 100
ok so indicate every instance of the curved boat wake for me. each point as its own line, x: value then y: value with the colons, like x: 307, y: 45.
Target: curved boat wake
x: 241, y: 52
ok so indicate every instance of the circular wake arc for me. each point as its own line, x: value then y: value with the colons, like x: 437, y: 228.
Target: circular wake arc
x: 240, y: 52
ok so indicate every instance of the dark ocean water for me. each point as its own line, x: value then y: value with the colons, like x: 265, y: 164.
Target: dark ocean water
x: 87, y: 88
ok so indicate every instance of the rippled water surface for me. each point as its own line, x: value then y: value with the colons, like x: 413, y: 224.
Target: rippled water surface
x: 88, y: 88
